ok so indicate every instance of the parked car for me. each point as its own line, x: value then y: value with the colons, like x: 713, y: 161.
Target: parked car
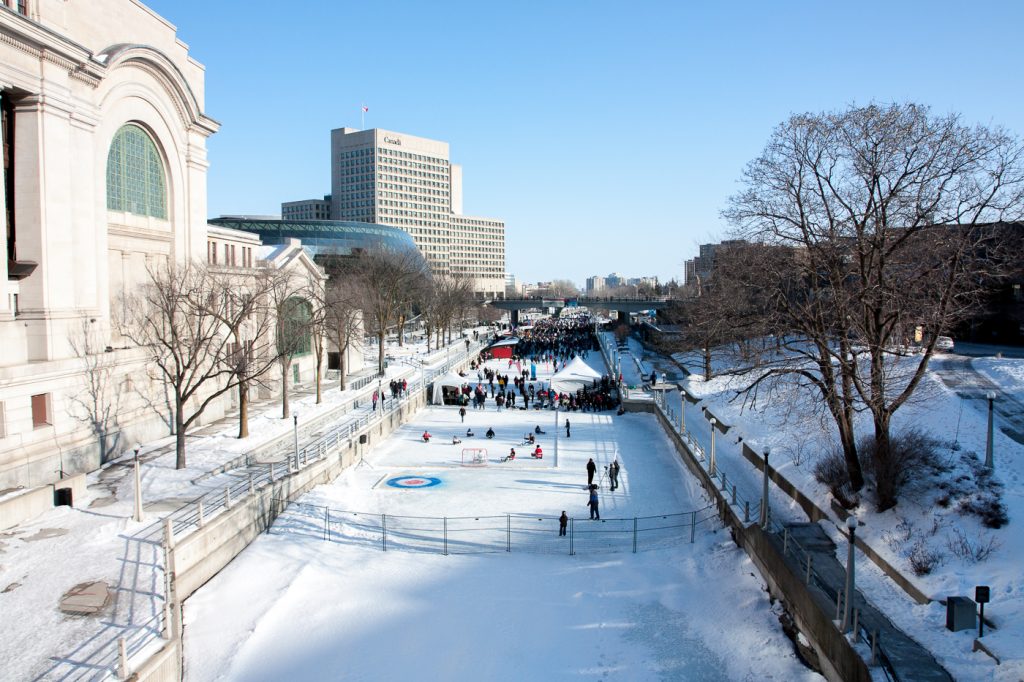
x: 944, y: 343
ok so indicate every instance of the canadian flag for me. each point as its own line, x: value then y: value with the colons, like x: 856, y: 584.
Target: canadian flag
x: 365, y: 108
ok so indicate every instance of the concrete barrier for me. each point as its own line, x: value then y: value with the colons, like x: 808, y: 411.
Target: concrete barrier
x: 20, y: 506
x: 837, y: 659
x: 199, y: 556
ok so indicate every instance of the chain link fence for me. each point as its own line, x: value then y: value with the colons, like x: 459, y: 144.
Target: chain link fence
x: 534, y: 534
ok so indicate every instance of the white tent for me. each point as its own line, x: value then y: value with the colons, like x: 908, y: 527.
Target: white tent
x: 450, y: 380
x: 576, y: 375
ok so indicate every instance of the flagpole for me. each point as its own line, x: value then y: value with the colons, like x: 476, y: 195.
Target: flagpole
x: 362, y: 117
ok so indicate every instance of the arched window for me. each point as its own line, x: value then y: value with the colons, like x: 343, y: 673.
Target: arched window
x: 293, y: 327
x: 135, y: 174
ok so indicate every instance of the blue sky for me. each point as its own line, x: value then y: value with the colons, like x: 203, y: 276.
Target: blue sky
x: 608, y: 136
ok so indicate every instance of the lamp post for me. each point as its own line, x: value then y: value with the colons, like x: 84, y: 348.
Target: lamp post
x: 295, y: 421
x: 682, y: 409
x: 991, y: 395
x: 556, y: 430
x: 764, y: 492
x: 138, y: 486
x: 713, y: 468
x: 851, y: 525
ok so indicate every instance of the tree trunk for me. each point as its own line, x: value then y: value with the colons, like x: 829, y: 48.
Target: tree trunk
x: 848, y: 439
x: 243, y: 408
x: 707, y: 364
x: 380, y: 353
x: 319, y: 363
x: 284, y: 389
x: 846, y: 431
x: 343, y: 384
x: 886, y: 471
x: 179, y: 434
x: 401, y: 330
x: 428, y: 330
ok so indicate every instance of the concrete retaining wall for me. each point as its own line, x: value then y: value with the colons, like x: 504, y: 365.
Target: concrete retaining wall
x: 200, y: 555
x: 22, y: 506
x: 18, y: 507
x: 837, y: 659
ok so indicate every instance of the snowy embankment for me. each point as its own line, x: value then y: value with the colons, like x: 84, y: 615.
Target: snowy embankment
x: 296, y: 605
x: 933, y: 526
x: 97, y: 540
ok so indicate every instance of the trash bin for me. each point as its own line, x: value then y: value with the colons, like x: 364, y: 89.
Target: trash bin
x: 961, y: 614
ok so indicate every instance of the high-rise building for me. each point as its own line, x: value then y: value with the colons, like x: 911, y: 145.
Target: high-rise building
x: 595, y: 285
x: 389, y: 178
x: 379, y: 176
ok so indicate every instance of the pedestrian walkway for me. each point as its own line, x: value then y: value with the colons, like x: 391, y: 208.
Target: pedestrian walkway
x: 959, y: 375
x: 905, y: 657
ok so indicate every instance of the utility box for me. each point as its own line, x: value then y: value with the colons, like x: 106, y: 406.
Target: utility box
x: 961, y: 614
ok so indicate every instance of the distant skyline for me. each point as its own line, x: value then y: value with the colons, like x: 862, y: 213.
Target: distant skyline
x: 607, y: 137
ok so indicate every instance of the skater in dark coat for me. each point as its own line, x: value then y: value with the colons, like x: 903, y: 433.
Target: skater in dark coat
x: 594, y: 513
x: 563, y: 521
x: 566, y: 428
x: 613, y: 474
x: 591, y: 470
x: 462, y: 413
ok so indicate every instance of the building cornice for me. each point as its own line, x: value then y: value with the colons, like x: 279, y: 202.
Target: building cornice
x: 45, y: 44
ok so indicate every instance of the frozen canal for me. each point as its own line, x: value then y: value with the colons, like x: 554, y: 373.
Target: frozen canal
x: 509, y: 601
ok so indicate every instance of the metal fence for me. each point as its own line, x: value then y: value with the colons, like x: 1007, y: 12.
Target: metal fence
x: 749, y: 508
x: 523, y: 533
x: 255, y: 475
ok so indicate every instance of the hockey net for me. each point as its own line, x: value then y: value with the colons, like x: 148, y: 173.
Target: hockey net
x: 474, y: 457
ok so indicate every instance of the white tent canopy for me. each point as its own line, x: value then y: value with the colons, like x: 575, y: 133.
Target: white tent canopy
x: 574, y: 376
x: 451, y: 379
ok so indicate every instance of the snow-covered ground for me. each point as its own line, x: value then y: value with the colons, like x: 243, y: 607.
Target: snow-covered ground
x: 928, y: 518
x: 97, y: 539
x: 297, y: 606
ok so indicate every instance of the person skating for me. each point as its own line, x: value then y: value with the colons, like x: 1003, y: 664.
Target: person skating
x: 593, y: 503
x: 462, y: 414
x: 613, y: 474
x: 563, y: 521
x: 566, y: 428
x: 490, y: 433
x: 591, y: 470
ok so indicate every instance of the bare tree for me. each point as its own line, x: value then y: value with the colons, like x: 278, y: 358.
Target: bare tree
x: 292, y: 331
x: 98, y: 404
x: 315, y: 291
x: 887, y: 208
x: 342, y: 319
x: 170, y: 316
x: 240, y: 301
x: 383, y: 279
x: 562, y: 288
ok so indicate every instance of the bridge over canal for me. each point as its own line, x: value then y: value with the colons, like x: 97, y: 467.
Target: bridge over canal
x: 623, y: 305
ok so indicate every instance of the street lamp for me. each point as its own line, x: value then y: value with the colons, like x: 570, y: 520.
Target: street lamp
x: 713, y: 466
x: 295, y: 421
x: 682, y: 409
x: 764, y: 492
x: 138, y: 486
x: 991, y: 395
x: 851, y: 525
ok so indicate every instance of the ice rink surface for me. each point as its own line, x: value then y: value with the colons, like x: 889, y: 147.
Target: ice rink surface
x: 318, y: 597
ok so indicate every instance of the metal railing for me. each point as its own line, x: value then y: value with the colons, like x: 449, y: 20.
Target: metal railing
x: 524, y: 533
x: 256, y: 475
